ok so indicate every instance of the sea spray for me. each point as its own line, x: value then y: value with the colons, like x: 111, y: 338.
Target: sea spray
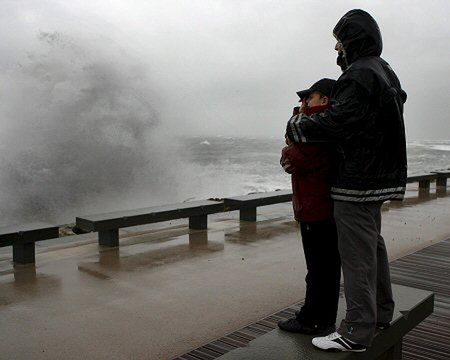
x: 79, y: 132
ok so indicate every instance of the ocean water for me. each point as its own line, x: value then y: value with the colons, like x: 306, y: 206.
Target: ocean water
x: 243, y: 165
x: 194, y: 168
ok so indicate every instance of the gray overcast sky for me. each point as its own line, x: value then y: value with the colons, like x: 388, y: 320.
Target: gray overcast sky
x: 232, y: 67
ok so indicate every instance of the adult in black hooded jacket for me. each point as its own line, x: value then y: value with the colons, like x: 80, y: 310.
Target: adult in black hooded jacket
x: 366, y: 124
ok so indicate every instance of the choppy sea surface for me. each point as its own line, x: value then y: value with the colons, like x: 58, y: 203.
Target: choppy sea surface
x: 243, y: 165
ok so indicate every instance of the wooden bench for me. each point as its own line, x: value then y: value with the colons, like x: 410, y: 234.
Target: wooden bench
x: 412, y: 306
x: 423, y: 179
x: 108, y: 225
x: 23, y: 238
x: 442, y: 176
x: 247, y: 204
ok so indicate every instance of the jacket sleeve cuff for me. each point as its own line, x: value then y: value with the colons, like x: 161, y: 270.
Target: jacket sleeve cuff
x: 294, y: 131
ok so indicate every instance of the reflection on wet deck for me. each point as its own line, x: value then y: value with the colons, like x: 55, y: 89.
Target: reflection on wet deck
x: 259, y: 231
x: 147, y: 255
x: 24, y: 283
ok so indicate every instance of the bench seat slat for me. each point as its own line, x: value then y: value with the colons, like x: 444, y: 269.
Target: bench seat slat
x: 416, y: 178
x: 27, y: 233
x: 259, y: 199
x: 120, y: 219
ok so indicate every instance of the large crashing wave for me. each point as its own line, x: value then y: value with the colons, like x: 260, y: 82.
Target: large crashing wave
x: 79, y: 133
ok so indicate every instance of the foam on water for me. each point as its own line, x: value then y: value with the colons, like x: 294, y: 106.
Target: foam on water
x: 233, y: 166
x: 440, y: 147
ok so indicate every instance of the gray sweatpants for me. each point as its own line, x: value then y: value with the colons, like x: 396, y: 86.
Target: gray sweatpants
x: 365, y: 266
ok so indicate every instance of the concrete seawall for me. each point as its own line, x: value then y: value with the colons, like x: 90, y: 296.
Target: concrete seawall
x: 167, y: 290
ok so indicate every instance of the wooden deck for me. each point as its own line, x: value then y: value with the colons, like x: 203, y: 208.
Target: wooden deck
x: 427, y: 269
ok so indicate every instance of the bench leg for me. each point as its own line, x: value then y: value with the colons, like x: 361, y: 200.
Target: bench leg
x: 248, y: 214
x: 23, y: 253
x: 424, y: 189
x: 394, y: 353
x: 198, y: 222
x: 441, y: 181
x: 108, y: 237
x: 397, y: 350
x: 424, y: 184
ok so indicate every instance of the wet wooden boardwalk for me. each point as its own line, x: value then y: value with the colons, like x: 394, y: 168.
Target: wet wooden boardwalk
x: 427, y: 269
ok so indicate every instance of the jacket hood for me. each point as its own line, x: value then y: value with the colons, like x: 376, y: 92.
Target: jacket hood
x: 359, y: 34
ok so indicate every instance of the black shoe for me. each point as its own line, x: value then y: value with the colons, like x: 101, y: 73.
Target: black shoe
x: 383, y: 325
x: 293, y: 325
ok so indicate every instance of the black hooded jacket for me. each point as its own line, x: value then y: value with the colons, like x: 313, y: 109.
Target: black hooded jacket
x: 365, y: 120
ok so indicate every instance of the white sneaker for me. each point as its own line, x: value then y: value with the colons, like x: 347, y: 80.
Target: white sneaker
x: 336, y: 342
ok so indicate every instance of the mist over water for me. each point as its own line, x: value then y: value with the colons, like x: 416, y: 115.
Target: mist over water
x: 79, y: 133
